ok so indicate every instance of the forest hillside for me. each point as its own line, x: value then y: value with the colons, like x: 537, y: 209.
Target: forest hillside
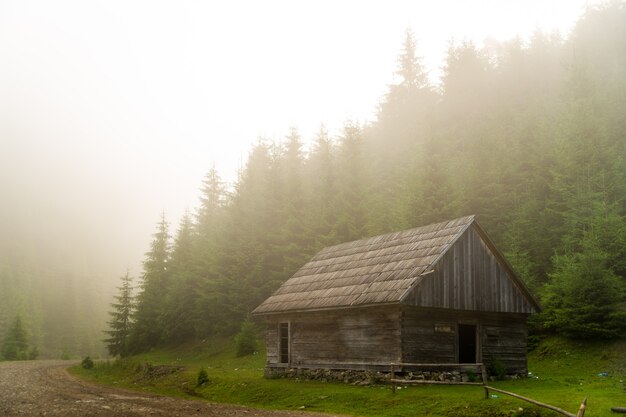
x: 527, y: 135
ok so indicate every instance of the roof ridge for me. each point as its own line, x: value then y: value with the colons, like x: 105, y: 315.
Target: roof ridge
x: 469, y: 218
x: 363, y: 259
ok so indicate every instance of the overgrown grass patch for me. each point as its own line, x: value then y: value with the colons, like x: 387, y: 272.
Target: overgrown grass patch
x: 563, y: 373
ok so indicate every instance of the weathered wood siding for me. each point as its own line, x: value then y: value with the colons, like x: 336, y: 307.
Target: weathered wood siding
x: 271, y: 342
x: 421, y: 343
x: 336, y: 338
x: 470, y: 277
x: 425, y: 338
x: 504, y: 338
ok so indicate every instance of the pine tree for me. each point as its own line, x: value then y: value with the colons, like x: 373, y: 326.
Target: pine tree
x: 410, y: 68
x: 121, y: 319
x: 148, y: 327
x: 179, y: 319
x: 352, y: 198
x: 584, y: 298
x: 296, y: 242
x: 214, y: 248
x: 321, y: 169
x: 15, y: 345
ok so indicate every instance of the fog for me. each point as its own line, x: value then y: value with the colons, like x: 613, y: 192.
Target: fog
x: 112, y: 112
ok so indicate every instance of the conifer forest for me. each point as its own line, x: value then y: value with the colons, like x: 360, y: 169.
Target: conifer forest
x: 528, y: 135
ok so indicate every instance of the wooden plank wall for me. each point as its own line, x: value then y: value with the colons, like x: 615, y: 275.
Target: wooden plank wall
x: 425, y: 339
x: 505, y: 339
x: 348, y: 336
x: 470, y: 277
x: 421, y: 343
x: 271, y: 342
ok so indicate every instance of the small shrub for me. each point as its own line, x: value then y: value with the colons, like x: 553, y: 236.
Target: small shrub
x: 203, y: 378
x: 532, y: 342
x: 471, y: 376
x: 497, y: 369
x: 246, y: 339
x: 87, y: 363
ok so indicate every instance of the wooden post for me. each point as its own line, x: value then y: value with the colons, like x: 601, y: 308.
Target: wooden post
x: 483, y: 371
x: 583, y: 407
x: 393, y: 378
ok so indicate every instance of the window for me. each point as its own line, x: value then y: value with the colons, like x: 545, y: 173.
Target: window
x: 283, y: 335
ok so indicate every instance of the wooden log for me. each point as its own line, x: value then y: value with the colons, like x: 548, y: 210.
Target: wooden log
x: 548, y: 406
x: 442, y: 365
x: 418, y: 381
x: 581, y: 410
x: 618, y: 409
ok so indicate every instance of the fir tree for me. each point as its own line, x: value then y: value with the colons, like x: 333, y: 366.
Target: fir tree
x: 180, y: 319
x: 321, y: 169
x: 351, y: 199
x: 121, y: 319
x: 15, y: 345
x: 584, y: 297
x: 148, y: 327
x: 214, y: 249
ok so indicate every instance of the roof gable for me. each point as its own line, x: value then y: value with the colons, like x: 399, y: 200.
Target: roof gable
x: 376, y: 270
x: 473, y: 275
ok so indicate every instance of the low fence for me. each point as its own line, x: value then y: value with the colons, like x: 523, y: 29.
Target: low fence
x: 483, y: 372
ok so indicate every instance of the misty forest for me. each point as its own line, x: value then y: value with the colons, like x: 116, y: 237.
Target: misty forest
x: 528, y: 135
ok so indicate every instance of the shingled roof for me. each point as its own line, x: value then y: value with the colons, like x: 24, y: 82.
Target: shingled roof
x: 376, y: 270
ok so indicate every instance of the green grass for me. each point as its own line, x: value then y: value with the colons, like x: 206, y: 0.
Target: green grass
x: 564, y: 373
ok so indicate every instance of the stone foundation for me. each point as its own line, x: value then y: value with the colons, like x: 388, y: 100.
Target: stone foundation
x: 355, y: 377
x: 368, y: 377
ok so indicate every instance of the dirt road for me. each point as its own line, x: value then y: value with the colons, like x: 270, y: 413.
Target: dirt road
x: 44, y: 388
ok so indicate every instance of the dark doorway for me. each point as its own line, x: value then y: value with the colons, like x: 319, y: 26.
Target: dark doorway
x: 284, y: 342
x: 467, y: 343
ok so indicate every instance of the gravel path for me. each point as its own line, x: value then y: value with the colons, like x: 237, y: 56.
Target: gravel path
x: 44, y: 388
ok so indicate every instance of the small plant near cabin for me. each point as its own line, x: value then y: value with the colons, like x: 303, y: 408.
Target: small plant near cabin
x: 532, y: 342
x: 203, y: 378
x: 471, y: 376
x: 497, y: 369
x: 246, y: 339
x: 87, y: 363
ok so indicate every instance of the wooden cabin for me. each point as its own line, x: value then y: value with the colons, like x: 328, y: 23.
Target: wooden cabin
x: 438, y: 294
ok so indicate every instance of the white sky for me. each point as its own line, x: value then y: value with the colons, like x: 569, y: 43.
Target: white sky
x: 111, y: 111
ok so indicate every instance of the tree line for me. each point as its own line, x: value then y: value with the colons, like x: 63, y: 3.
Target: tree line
x: 527, y: 135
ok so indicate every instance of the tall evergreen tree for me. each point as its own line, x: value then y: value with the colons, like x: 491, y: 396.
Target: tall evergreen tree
x: 584, y: 298
x: 180, y: 319
x: 214, y: 259
x: 351, y: 201
x: 321, y: 168
x: 148, y: 329
x: 121, y: 319
x: 15, y: 345
x: 297, y: 241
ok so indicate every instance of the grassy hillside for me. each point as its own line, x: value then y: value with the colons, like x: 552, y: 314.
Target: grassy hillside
x: 563, y: 373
